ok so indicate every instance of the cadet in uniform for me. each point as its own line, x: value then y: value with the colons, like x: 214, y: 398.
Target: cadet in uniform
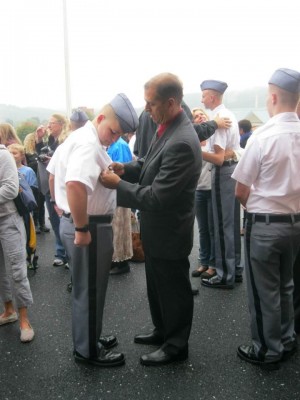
x: 268, y: 186
x: 86, y: 229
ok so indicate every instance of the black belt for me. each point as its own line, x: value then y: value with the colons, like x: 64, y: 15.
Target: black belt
x: 67, y: 215
x: 101, y: 218
x: 228, y: 163
x: 269, y: 218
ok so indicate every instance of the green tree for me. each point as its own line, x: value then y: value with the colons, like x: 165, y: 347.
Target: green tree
x: 26, y: 127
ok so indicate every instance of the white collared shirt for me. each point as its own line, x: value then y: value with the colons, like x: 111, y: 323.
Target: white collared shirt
x: 82, y: 158
x: 270, y: 166
x: 225, y: 138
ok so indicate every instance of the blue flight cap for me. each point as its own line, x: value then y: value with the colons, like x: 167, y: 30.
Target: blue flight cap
x: 286, y: 79
x: 125, y: 113
x: 219, y: 86
x: 79, y: 116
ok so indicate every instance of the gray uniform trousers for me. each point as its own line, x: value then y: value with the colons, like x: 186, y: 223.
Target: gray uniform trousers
x: 90, y: 271
x: 270, y: 252
x: 226, y: 217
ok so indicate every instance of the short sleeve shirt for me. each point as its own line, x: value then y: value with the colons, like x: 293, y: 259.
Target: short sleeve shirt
x: 270, y: 166
x: 81, y: 158
x: 225, y: 138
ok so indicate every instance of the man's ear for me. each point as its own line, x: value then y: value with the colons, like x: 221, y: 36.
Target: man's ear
x: 274, y: 98
x: 100, y: 118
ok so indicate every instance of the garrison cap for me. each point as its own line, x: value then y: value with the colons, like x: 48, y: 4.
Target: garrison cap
x: 219, y: 86
x: 79, y: 116
x: 125, y: 113
x: 286, y: 79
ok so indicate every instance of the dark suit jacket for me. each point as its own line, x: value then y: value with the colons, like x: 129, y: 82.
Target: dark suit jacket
x: 165, y: 191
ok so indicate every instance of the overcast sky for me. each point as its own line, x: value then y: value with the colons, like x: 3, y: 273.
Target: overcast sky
x: 116, y: 46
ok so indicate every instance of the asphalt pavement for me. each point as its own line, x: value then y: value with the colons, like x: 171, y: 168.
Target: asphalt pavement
x: 45, y: 369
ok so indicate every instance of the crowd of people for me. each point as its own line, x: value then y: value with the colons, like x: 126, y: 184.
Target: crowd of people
x: 181, y: 165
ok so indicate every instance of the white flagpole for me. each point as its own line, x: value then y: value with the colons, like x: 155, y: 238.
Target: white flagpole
x: 67, y: 66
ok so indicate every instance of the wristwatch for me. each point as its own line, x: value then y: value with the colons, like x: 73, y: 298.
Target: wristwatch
x: 84, y: 228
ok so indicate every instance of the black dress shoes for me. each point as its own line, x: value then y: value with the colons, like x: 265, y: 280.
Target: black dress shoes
x: 118, y: 268
x: 216, y: 283
x: 198, y: 272
x: 105, y: 359
x: 150, y: 338
x: 160, y: 357
x: 247, y: 354
x: 108, y: 341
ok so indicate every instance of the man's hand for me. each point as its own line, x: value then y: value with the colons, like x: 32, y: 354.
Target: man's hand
x: 58, y: 210
x: 109, y: 179
x: 117, y: 168
x: 223, y: 123
x: 82, y: 239
x: 40, y: 133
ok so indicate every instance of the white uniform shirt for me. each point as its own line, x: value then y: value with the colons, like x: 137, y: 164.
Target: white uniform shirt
x: 270, y: 166
x: 225, y: 138
x: 81, y: 158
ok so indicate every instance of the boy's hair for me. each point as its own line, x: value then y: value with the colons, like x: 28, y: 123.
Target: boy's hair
x: 18, y: 147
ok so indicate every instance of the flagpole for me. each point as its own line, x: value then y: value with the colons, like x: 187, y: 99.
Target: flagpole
x: 67, y: 66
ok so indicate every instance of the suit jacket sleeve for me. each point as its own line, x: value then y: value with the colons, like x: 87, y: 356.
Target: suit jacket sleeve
x: 205, y: 130
x: 160, y: 187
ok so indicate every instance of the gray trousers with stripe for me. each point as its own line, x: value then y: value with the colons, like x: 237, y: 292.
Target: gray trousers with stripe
x: 90, y: 271
x: 226, y: 217
x: 270, y: 252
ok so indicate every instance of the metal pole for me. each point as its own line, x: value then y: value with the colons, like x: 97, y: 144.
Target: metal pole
x: 67, y: 66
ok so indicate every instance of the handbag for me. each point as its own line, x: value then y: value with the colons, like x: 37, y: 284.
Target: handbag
x: 25, y: 200
x: 137, y: 246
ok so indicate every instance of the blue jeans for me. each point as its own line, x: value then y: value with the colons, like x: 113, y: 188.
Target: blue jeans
x: 60, y: 251
x: 204, y: 217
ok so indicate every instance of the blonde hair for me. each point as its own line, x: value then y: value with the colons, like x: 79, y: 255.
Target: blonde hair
x: 64, y: 122
x: 18, y: 147
x: 194, y: 111
x: 8, y: 134
x: 29, y: 143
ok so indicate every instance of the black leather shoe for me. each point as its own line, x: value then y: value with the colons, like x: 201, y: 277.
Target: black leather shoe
x: 287, y: 354
x: 196, y: 273
x: 108, y: 341
x: 159, y: 357
x: 247, y: 354
x: 215, y: 282
x: 105, y: 359
x: 118, y: 268
x: 150, y: 338
x: 238, y: 279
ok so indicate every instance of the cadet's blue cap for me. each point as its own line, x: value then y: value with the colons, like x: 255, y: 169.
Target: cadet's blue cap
x: 79, y: 116
x: 286, y: 79
x: 219, y: 86
x: 125, y: 113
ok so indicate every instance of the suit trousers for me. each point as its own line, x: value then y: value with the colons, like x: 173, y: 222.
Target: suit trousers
x: 270, y: 251
x: 90, y: 271
x: 170, y: 300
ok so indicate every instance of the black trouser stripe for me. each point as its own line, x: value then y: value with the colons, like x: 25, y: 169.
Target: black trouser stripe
x: 220, y: 222
x: 257, y: 306
x: 92, y: 290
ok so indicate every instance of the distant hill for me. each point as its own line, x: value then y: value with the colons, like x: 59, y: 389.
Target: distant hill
x: 248, y: 100
x: 15, y: 115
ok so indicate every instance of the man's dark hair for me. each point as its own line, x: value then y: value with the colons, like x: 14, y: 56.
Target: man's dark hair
x: 245, y: 124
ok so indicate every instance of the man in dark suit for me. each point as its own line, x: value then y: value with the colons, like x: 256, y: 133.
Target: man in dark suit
x: 162, y: 186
